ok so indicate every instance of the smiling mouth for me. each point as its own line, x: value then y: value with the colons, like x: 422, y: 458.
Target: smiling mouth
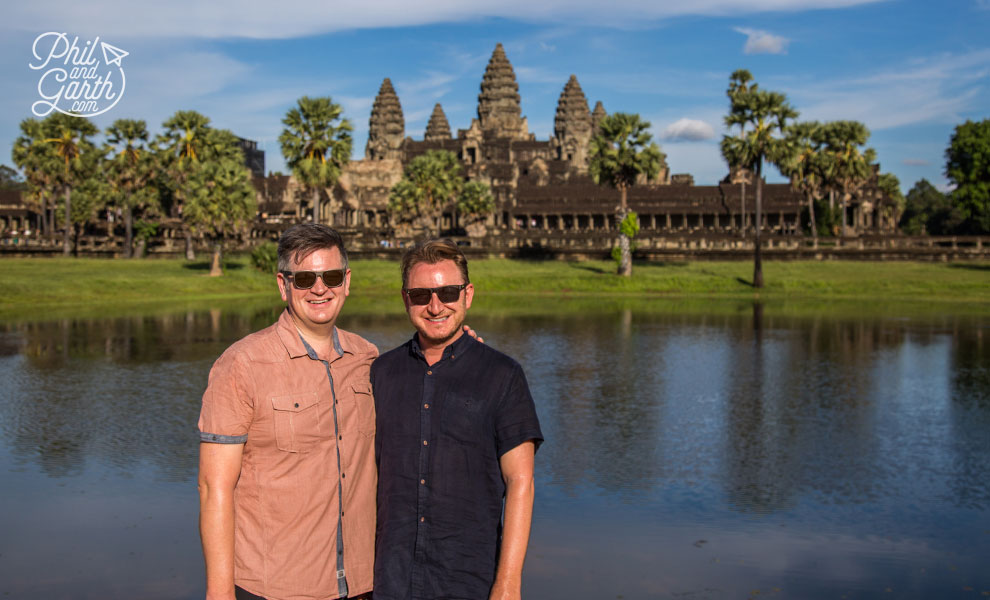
x: 323, y: 301
x: 438, y: 319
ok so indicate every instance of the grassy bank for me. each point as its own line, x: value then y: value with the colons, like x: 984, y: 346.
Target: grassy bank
x: 94, y: 286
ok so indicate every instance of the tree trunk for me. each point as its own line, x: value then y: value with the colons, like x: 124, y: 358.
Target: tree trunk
x: 757, y: 259
x: 67, y: 239
x: 814, y: 227
x: 845, y: 232
x: 45, y: 226
x: 625, y: 252
x: 216, y: 266
x: 142, y: 248
x: 190, y: 253
x: 742, y: 220
x: 316, y: 206
x: 128, y: 232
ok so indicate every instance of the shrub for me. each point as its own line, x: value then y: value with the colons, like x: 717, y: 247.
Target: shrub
x: 265, y: 257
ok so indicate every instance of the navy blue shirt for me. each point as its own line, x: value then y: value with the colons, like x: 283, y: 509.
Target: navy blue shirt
x: 441, y: 430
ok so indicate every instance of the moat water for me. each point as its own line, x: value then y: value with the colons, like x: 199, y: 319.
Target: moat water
x: 707, y: 451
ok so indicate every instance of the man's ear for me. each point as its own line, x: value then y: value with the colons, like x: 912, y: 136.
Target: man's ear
x: 283, y: 284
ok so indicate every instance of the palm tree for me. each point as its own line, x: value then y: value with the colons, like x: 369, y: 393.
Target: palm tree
x: 761, y: 116
x: 68, y: 136
x: 739, y: 83
x: 621, y: 153
x: 430, y: 184
x: 130, y: 170
x: 181, y: 147
x: 849, y: 166
x: 220, y: 199
x: 805, y: 165
x: 316, y: 144
x: 38, y: 161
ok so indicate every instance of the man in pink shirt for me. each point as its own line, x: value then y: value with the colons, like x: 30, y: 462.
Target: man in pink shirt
x: 287, y: 474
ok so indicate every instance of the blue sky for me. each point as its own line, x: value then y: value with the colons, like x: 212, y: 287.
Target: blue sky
x: 909, y: 69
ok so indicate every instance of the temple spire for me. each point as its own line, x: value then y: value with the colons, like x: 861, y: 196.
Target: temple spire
x: 572, y: 124
x: 438, y: 128
x: 387, y: 127
x: 499, y: 110
x: 596, y: 117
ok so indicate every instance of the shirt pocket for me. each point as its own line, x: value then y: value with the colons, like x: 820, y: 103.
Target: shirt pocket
x: 364, y: 403
x: 298, y: 423
x: 462, y: 418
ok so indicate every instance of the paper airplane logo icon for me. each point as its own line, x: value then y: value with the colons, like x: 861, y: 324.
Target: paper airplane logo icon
x: 112, y: 51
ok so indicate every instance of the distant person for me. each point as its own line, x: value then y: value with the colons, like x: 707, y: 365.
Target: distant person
x: 287, y: 472
x: 456, y: 436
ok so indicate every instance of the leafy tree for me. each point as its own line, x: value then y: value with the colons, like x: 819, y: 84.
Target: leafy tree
x: 891, y: 186
x: 130, y: 168
x: 849, y: 165
x: 69, y: 138
x: 430, y: 184
x: 181, y: 147
x: 316, y: 143
x: 762, y: 116
x: 10, y: 179
x: 475, y: 203
x: 967, y: 165
x: 40, y: 165
x: 804, y: 163
x: 621, y: 154
x: 220, y: 199
x: 928, y: 211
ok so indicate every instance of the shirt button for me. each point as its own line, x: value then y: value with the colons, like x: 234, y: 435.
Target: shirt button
x: 422, y: 482
x: 425, y: 443
x: 297, y: 405
x: 422, y: 519
x: 427, y: 405
x: 429, y: 372
x: 342, y: 475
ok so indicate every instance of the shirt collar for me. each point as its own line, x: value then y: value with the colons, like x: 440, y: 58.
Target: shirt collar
x: 294, y: 343
x: 460, y: 346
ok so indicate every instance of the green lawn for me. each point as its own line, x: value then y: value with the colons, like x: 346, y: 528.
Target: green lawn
x: 99, y: 286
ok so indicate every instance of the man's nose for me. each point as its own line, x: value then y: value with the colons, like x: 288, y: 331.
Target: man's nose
x: 435, y: 305
x: 319, y: 287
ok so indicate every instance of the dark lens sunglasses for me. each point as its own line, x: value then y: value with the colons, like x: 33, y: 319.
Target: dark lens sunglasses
x: 446, y: 293
x: 303, y: 280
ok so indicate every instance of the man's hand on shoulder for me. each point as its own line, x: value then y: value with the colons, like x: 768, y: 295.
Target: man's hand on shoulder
x: 473, y: 334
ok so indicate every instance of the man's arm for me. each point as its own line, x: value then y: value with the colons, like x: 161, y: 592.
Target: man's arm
x: 517, y: 472
x: 219, y: 468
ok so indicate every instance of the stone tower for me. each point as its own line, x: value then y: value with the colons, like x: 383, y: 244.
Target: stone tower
x: 499, y: 112
x: 596, y: 117
x: 387, y: 127
x: 438, y: 128
x: 572, y: 125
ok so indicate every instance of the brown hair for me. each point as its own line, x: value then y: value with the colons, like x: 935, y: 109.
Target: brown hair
x: 431, y: 252
x: 299, y: 241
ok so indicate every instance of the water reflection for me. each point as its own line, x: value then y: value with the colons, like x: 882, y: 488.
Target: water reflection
x: 673, y: 439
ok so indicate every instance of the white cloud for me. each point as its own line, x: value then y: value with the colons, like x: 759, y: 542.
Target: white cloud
x: 762, y: 42
x: 688, y: 130
x: 916, y: 162
x: 262, y: 19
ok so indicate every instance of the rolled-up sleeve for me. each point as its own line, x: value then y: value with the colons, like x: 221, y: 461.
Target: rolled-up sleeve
x: 228, y: 403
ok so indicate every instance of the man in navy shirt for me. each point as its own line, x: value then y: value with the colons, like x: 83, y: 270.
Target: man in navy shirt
x: 456, y: 436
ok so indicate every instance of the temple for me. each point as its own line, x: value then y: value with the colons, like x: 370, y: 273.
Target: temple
x: 545, y: 199
x: 542, y: 189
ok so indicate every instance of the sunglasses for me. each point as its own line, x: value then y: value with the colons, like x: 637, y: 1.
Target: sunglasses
x: 446, y: 293
x: 303, y: 280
